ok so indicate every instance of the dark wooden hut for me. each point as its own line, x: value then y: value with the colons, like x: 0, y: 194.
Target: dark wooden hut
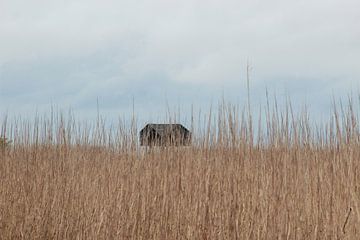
x: 164, y: 135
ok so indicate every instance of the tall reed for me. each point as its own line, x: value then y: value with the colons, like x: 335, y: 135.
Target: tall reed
x: 278, y: 175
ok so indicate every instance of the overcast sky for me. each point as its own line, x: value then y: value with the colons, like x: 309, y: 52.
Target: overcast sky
x: 172, y: 52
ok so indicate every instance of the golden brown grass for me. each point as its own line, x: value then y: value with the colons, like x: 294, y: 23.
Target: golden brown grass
x: 287, y: 180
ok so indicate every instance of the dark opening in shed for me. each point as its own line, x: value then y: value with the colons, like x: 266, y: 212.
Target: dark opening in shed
x: 164, y: 135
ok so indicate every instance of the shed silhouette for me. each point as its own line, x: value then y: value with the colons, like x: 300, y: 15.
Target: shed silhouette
x: 164, y: 135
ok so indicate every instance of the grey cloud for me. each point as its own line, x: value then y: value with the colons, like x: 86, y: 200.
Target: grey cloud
x: 72, y: 52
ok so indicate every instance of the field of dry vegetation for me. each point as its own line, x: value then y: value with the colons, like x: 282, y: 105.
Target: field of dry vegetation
x: 279, y: 177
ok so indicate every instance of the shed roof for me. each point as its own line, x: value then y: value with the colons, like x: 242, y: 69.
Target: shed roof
x: 164, y: 128
x: 164, y: 134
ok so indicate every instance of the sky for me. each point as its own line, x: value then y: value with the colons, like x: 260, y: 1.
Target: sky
x: 151, y: 56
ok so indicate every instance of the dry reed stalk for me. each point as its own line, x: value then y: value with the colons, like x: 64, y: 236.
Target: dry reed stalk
x: 65, y: 180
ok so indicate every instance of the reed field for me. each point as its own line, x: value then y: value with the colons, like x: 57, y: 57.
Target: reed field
x: 279, y: 175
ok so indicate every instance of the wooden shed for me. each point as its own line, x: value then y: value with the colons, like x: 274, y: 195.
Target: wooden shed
x: 164, y: 135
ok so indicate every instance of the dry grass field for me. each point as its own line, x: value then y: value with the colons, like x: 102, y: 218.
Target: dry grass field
x: 280, y: 177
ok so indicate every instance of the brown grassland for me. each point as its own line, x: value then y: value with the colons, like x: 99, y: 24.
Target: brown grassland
x: 279, y: 177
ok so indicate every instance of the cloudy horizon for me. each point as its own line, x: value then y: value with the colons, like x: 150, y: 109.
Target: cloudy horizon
x: 71, y: 54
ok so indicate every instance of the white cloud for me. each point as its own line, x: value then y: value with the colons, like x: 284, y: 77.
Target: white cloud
x: 190, y: 41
